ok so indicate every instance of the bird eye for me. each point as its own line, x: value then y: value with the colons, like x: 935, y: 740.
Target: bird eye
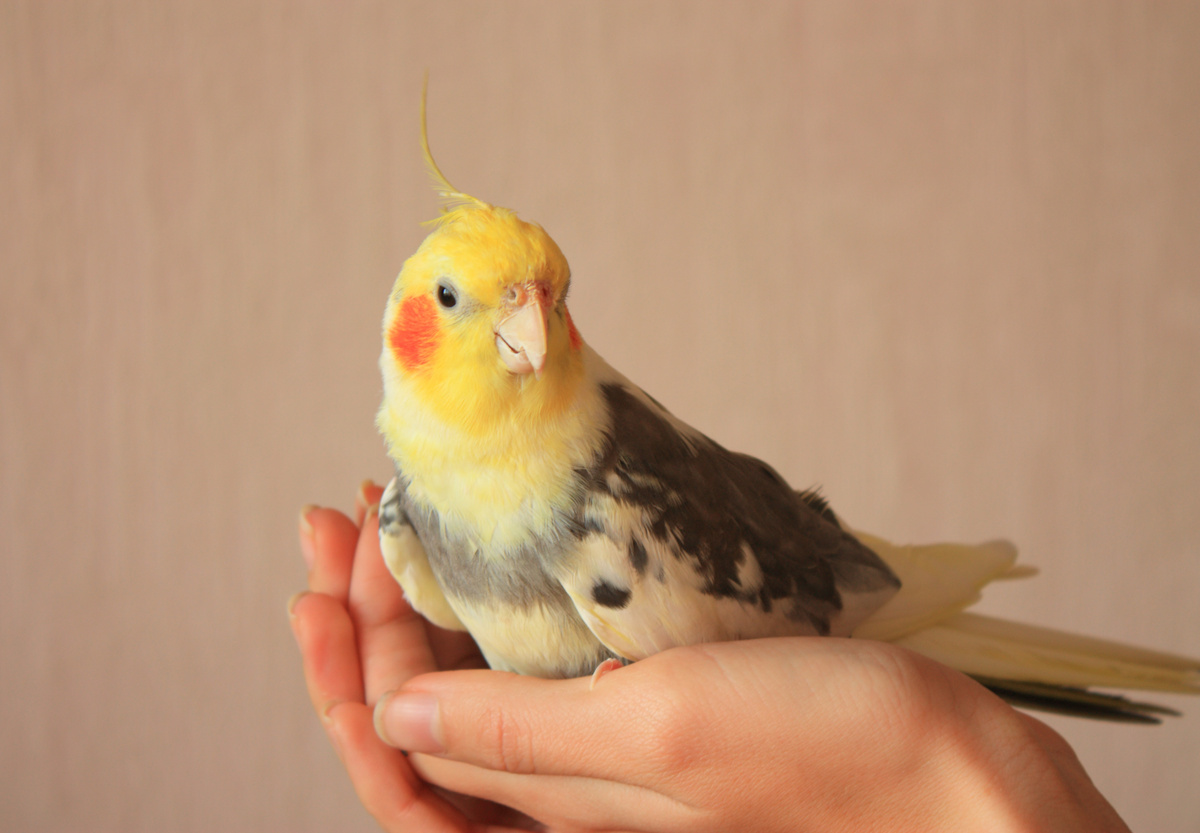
x: 446, y: 296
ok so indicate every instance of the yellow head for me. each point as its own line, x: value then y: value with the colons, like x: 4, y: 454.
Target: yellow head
x: 476, y: 328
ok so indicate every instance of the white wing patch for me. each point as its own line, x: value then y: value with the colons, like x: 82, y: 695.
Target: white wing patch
x: 667, y: 605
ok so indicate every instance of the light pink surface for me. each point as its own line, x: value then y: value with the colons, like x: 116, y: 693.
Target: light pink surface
x: 941, y: 258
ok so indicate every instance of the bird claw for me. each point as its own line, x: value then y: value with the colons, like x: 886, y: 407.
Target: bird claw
x: 603, y: 668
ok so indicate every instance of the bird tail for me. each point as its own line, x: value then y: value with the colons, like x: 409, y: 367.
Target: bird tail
x: 1027, y: 665
x: 1053, y: 670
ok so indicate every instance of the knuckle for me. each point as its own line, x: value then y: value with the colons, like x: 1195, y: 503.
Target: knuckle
x: 925, y: 699
x: 512, y: 742
x: 896, y: 672
x: 672, y: 744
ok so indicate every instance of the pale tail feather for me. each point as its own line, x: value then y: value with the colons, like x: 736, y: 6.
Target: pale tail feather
x: 1029, y: 665
x: 994, y: 648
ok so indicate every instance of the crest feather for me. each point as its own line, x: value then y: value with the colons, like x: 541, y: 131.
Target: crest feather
x: 452, y: 198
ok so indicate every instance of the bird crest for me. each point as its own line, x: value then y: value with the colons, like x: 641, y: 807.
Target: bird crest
x: 453, y: 200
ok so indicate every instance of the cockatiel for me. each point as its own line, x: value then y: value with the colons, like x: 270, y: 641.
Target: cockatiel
x: 562, y: 516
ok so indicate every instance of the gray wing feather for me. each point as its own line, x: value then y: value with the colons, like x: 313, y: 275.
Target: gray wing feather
x: 735, y: 540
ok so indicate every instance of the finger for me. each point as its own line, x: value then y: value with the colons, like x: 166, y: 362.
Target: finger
x: 392, y: 639
x: 375, y: 597
x: 482, y: 810
x: 563, y: 801
x: 369, y: 494
x: 509, y: 723
x: 635, y: 724
x: 326, y: 638
x: 383, y: 780
x: 328, y: 539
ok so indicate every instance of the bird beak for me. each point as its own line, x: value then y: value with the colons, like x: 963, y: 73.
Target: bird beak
x: 521, y: 335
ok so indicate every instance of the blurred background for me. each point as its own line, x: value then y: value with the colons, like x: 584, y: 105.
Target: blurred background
x: 941, y: 258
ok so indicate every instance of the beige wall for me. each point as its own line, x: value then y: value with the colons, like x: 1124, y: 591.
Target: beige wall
x: 942, y: 258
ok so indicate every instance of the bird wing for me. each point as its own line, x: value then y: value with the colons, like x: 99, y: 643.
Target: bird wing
x: 408, y: 563
x: 939, y: 580
x: 681, y: 541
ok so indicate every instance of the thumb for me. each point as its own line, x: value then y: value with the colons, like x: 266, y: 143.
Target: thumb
x: 526, y: 725
x: 491, y: 719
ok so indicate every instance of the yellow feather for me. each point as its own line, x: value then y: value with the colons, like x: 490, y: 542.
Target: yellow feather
x: 451, y: 196
x: 489, y: 450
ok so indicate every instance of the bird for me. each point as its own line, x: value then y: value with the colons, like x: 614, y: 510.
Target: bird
x: 569, y: 522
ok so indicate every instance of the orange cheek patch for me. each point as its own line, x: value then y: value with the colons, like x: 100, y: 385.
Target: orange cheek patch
x: 572, y: 333
x: 414, y: 335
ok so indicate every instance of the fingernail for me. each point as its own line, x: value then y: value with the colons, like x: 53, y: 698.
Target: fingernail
x: 363, y: 488
x: 409, y: 722
x: 326, y: 711
x: 306, y: 533
x: 291, y: 606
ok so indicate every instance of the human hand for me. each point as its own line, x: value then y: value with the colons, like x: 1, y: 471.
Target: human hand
x: 788, y: 734
x: 359, y: 638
